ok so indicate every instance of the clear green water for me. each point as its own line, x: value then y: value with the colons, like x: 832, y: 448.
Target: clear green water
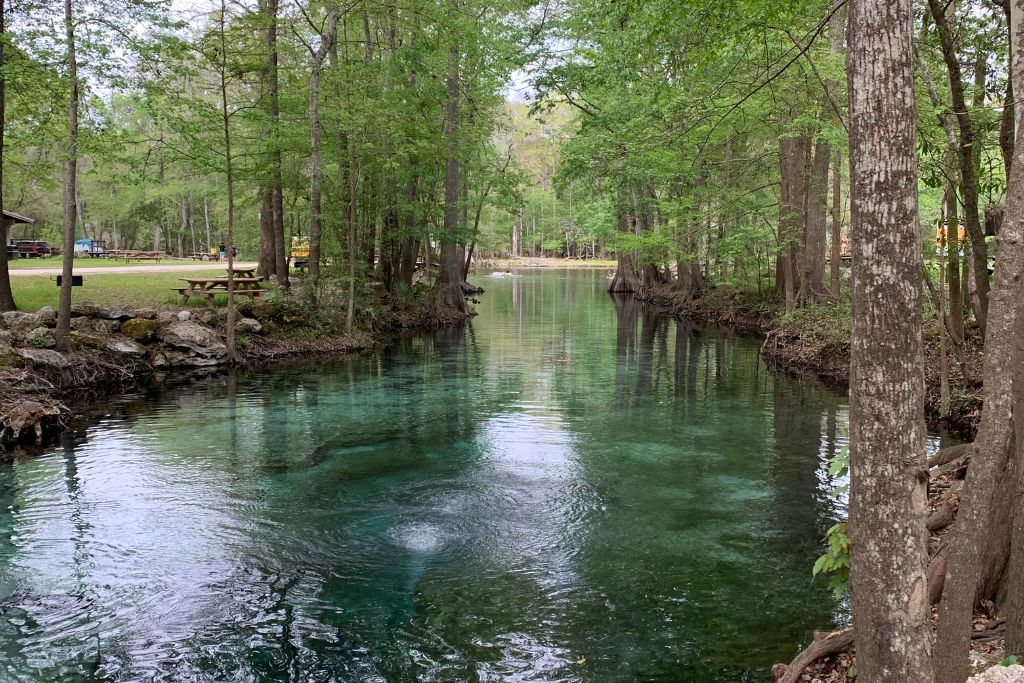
x: 567, y: 490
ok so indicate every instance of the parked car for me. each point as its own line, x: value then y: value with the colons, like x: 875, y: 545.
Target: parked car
x: 32, y: 248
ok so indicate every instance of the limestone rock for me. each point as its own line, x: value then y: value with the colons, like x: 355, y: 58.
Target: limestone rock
x: 200, y: 343
x: 126, y: 346
x: 86, y: 309
x: 158, y: 359
x: 146, y: 313
x: 248, y: 326
x: 176, y: 358
x: 40, y: 338
x: 43, y: 358
x: 209, y: 317
x: 1000, y: 674
x: 140, y: 329
x: 118, y: 313
x: 97, y: 325
x: 184, y: 315
x: 47, y: 316
x: 18, y: 320
x: 263, y: 309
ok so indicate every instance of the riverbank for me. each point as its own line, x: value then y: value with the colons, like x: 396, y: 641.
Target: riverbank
x: 816, y: 340
x: 115, y: 348
x: 543, y: 262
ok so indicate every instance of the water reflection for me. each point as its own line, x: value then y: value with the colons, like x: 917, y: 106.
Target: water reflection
x: 571, y: 488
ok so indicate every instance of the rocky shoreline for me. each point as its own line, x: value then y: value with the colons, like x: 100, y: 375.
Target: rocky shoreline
x: 118, y: 347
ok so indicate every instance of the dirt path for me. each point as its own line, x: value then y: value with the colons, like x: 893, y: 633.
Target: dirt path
x: 112, y: 270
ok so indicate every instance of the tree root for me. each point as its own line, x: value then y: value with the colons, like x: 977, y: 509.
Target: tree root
x: 949, y: 454
x: 824, y: 645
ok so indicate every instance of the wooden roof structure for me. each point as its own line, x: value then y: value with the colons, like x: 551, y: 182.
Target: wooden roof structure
x: 12, y: 217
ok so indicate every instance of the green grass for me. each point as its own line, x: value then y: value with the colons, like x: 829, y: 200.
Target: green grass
x: 56, y: 261
x: 132, y: 289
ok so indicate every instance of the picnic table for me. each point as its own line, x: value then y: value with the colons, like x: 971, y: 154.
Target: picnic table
x: 246, y: 284
x: 204, y: 256
x: 130, y: 255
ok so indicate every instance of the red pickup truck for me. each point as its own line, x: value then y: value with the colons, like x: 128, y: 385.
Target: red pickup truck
x: 32, y: 248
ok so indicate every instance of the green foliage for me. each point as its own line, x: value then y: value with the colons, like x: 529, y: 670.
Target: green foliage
x: 835, y: 562
x: 1010, y: 660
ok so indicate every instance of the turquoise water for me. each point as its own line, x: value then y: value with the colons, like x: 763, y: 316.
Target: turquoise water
x: 568, y: 489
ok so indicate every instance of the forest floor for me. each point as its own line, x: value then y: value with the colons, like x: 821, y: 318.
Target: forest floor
x: 816, y: 339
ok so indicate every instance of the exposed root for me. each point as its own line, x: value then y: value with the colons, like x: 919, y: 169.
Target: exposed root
x: 824, y: 645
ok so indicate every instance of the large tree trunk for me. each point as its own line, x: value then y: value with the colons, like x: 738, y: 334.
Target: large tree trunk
x: 6, y: 295
x: 812, y: 282
x: 229, y: 340
x: 62, y: 335
x: 279, y: 245
x: 956, y: 300
x: 835, y: 274
x: 888, y: 503
x: 449, y: 284
x: 316, y: 155
x: 967, y: 564
x: 968, y: 172
x: 792, y: 204
x: 625, y: 279
x: 1015, y: 571
x: 268, y: 256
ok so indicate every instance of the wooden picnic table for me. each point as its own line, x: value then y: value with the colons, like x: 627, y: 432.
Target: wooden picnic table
x: 208, y: 287
x: 246, y: 272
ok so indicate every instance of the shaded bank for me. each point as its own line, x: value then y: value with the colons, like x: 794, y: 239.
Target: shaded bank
x: 816, y: 339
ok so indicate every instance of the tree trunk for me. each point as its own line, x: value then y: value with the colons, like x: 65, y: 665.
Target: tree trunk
x: 1015, y: 572
x: 280, y: 245
x: 229, y: 176
x: 813, y: 276
x: 956, y: 300
x: 62, y: 335
x: 268, y: 254
x: 315, y: 155
x: 965, y: 152
x: 449, y: 285
x: 625, y: 280
x: 792, y: 201
x: 206, y: 222
x: 6, y: 295
x: 888, y: 503
x: 967, y: 566
x: 835, y: 274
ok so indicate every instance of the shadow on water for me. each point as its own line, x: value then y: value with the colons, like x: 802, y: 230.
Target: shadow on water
x: 568, y: 488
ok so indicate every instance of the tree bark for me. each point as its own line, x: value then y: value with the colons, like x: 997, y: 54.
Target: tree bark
x: 965, y: 153
x: 888, y: 502
x: 625, y: 279
x: 229, y: 177
x: 62, y: 335
x: 315, y: 154
x: 449, y: 286
x: 967, y: 565
x: 1015, y: 571
x: 792, y: 215
x: 6, y: 294
x: 813, y: 276
x: 280, y: 246
x: 835, y: 275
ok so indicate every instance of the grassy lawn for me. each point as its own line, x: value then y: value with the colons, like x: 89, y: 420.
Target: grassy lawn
x: 56, y: 261
x: 132, y: 289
